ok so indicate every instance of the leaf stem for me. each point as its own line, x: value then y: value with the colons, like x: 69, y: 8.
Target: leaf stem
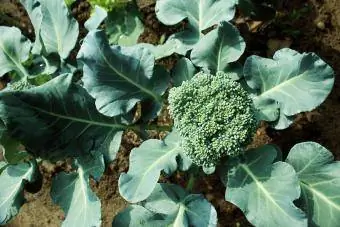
x: 158, y: 127
x: 140, y: 128
x: 191, y: 182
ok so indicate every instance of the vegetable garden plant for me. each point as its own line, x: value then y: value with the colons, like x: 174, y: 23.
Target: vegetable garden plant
x: 56, y: 109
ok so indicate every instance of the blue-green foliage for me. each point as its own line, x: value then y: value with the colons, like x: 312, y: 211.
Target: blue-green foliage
x: 214, y: 115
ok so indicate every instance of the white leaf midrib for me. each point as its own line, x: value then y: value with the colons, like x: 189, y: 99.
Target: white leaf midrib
x: 263, y: 189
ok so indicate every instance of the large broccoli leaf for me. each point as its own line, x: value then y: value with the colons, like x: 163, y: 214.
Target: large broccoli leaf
x: 218, y: 48
x: 319, y: 177
x: 146, y: 164
x: 262, y: 190
x: 34, y: 12
x: 14, y: 50
x: 58, y: 30
x: 73, y: 193
x: 118, y: 77
x: 12, y: 182
x: 289, y: 84
x: 63, y: 119
x: 170, y: 205
x: 201, y: 14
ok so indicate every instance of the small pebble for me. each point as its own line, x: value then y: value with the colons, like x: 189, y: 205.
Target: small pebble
x: 320, y: 25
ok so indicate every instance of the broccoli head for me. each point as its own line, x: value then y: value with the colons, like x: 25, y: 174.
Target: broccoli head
x: 214, y: 115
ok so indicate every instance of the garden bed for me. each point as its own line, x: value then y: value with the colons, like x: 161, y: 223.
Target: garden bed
x: 306, y: 26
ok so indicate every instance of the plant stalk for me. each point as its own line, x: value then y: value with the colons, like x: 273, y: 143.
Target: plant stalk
x: 191, y: 182
x: 158, y: 127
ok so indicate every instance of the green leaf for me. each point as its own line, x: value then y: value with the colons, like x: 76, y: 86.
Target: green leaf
x: 234, y: 70
x: 151, y: 109
x: 319, y: 177
x: 169, y: 205
x: 164, y: 50
x: 291, y: 82
x: 58, y: 30
x: 201, y: 14
x: 146, y: 164
x: 63, y: 118
x: 73, y: 192
x: 13, y: 151
x: 97, y: 17
x: 33, y: 9
x: 182, y: 71
x: 218, y: 48
x: 180, y: 208
x: 118, y: 77
x: 124, y: 27
x: 14, y: 49
x: 12, y: 182
x: 262, y: 190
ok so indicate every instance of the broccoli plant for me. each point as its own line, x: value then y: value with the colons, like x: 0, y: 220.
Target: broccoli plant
x: 216, y: 104
x: 214, y: 116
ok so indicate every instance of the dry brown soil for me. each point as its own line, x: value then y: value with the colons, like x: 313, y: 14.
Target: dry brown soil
x: 309, y: 25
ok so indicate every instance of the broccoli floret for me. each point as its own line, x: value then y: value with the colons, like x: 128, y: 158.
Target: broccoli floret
x: 214, y: 115
x: 20, y: 85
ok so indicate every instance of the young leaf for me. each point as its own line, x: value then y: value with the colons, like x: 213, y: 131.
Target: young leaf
x: 171, y: 46
x: 319, y: 177
x: 118, y: 77
x: 124, y: 27
x: 33, y: 9
x: 12, y: 181
x: 64, y: 120
x: 201, y: 14
x: 73, y: 193
x: 58, y: 30
x: 136, y: 216
x: 183, y: 70
x: 180, y: 208
x: 262, y: 190
x: 146, y: 164
x: 296, y: 82
x: 14, y: 49
x: 97, y: 17
x: 218, y: 48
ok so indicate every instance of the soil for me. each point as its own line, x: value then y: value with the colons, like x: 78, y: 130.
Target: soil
x: 304, y: 25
